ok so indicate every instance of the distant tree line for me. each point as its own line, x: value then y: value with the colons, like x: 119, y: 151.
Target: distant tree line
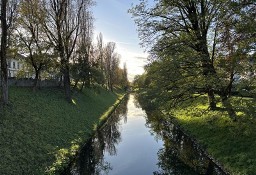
x: 56, y: 36
x: 197, y: 48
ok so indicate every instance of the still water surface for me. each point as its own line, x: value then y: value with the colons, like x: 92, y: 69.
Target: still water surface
x: 137, y: 150
x: 134, y: 143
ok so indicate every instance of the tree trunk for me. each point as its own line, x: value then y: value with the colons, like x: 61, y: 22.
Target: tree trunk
x: 228, y: 106
x: 230, y: 85
x: 36, y: 80
x: 111, y: 88
x: 60, y: 80
x: 230, y: 110
x: 4, y: 71
x: 65, y: 71
x: 66, y: 82
x: 108, y: 84
x: 209, y: 73
x: 211, y: 99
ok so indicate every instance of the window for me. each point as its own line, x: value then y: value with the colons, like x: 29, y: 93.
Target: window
x: 18, y: 65
x: 9, y: 64
x: 13, y: 65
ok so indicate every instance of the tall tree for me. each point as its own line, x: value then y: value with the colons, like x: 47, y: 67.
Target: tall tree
x: 111, y: 61
x: 170, y: 25
x: 62, y: 27
x: 100, y: 46
x: 100, y: 56
x: 236, y: 45
x: 8, y: 12
x: 82, y: 59
x: 34, y: 42
x: 186, y: 22
x: 113, y: 74
x: 125, y: 81
x: 4, y: 73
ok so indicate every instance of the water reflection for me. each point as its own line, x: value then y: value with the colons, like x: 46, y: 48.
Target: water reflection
x: 91, y: 158
x: 146, y: 144
x: 180, y: 155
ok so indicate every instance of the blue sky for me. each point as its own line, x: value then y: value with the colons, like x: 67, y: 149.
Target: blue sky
x: 116, y: 25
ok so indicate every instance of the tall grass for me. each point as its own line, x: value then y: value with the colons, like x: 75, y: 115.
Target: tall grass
x: 231, y: 143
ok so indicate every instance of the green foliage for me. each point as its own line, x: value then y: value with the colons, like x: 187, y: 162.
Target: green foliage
x: 138, y: 81
x: 81, y: 69
x: 195, y: 47
x: 97, y: 75
x: 38, y: 129
x: 170, y: 81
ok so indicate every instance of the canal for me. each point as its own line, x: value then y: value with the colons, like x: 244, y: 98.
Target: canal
x: 132, y: 142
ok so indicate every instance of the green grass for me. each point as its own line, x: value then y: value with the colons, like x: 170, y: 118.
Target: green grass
x: 233, y: 144
x: 40, y: 130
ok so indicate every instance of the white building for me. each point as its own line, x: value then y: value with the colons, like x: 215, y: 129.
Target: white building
x: 18, y: 68
x: 14, y: 65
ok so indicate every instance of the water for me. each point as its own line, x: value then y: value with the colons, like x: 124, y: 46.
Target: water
x: 134, y: 143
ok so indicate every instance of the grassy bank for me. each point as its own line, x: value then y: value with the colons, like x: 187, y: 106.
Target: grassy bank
x: 230, y: 143
x: 40, y: 130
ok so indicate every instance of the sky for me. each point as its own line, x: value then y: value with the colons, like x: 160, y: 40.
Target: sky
x: 116, y: 25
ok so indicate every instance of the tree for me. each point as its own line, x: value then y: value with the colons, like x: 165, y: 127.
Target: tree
x: 236, y: 45
x: 109, y: 55
x: 114, y: 76
x: 138, y: 81
x: 34, y: 42
x: 171, y: 25
x: 100, y: 56
x: 124, y: 77
x: 62, y: 27
x: 186, y: 22
x: 82, y: 57
x: 111, y: 61
x: 8, y: 12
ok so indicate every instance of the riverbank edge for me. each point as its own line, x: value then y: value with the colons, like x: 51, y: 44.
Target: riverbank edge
x: 104, y: 118
x: 228, y: 143
x: 59, y: 167
x: 194, y: 139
